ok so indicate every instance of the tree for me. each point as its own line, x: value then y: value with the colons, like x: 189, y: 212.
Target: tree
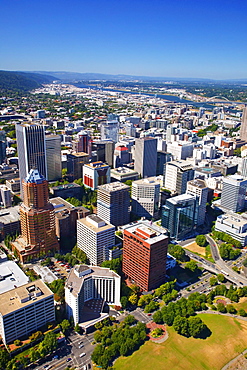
x: 196, y: 326
x: 123, y: 349
x: 221, y: 307
x: 65, y: 325
x: 191, y: 265
x: 158, y: 317
x: 231, y: 309
x: 17, y: 342
x: 241, y: 312
x: 33, y: 354
x: 77, y: 328
x: 133, y: 299
x: 213, y: 281
x: 35, y: 336
x: 129, y: 320
x: 176, y: 251
x: 4, y: 358
x: 50, y: 341
x: 201, y: 240
x: 124, y: 301
x: 180, y: 324
x: 221, y: 278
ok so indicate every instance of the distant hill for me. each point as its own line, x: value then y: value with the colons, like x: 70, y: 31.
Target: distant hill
x: 22, y: 81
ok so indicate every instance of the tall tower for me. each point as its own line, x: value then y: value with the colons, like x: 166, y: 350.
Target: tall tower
x: 199, y: 188
x: 53, y: 155
x: 2, y: 146
x: 146, y: 156
x: 38, y: 235
x: 31, y: 149
x: 145, y: 197
x: 113, y: 203
x: 243, y: 128
x: 234, y: 193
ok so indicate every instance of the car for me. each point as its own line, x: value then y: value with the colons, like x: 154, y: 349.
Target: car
x: 81, y: 345
x: 82, y: 354
x: 47, y: 367
x: 12, y: 279
x: 55, y: 357
x: 81, y: 342
x: 69, y: 359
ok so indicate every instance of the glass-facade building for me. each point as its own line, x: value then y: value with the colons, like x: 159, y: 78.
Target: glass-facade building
x: 179, y: 215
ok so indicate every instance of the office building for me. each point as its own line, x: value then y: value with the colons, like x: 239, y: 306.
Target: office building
x: 113, y: 203
x: 144, y: 255
x: 234, y: 225
x: 5, y: 197
x: 95, y: 237
x: 123, y: 174
x: 83, y: 143
x: 234, y: 193
x: 75, y: 163
x: 13, y: 185
x: 199, y: 189
x: 38, y: 236
x: 31, y: 149
x: 243, y: 127
x: 121, y: 156
x: 162, y: 159
x: 176, y: 176
x: 53, y: 157
x: 180, y: 150
x: 145, y: 196
x: 102, y: 150
x: 179, y: 215
x: 87, y: 285
x: 2, y: 146
x: 95, y: 174
x: 109, y: 130
x: 146, y: 156
x: 24, y: 310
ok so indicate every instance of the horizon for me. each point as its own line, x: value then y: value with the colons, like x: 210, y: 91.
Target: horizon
x: 158, y: 39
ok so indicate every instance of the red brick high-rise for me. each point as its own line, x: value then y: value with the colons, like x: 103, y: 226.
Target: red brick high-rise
x: 144, y: 255
x: 38, y: 235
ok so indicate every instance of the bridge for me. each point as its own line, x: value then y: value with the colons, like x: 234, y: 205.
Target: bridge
x: 219, y: 97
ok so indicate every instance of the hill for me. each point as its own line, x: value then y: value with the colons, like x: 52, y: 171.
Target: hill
x: 22, y: 81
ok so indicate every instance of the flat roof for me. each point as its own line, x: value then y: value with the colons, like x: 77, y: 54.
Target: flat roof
x: 10, y: 214
x: 10, y: 301
x: 11, y: 276
x: 157, y: 233
x: 86, y: 222
x: 113, y: 186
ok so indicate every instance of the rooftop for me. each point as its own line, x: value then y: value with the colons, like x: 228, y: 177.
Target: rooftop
x: 11, y: 276
x: 10, y: 214
x: 23, y: 296
x: 95, y: 223
x: 147, y: 231
x: 113, y: 186
x: 34, y: 177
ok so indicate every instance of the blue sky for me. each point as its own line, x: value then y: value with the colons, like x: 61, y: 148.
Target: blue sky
x: 179, y: 38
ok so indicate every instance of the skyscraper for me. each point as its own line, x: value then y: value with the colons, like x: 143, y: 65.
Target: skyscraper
x: 234, y: 193
x: 113, y: 203
x: 243, y: 128
x: 145, y: 197
x: 53, y: 156
x: 83, y: 143
x: 38, y: 234
x: 176, y: 175
x: 199, y: 188
x: 31, y: 149
x: 144, y: 255
x: 146, y: 156
x: 2, y: 146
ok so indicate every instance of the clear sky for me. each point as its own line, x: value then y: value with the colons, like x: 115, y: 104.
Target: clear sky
x: 168, y: 38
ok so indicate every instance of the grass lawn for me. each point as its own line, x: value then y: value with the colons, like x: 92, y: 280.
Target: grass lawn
x: 241, y: 304
x: 228, y: 339
x: 194, y: 247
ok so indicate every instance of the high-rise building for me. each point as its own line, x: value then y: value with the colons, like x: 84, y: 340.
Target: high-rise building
x: 179, y: 215
x: 83, y: 143
x: 176, y: 176
x: 38, y: 233
x: 24, y: 310
x: 95, y: 237
x: 109, y: 130
x: 95, y: 174
x: 243, y: 128
x: 53, y: 156
x: 144, y: 255
x: 31, y: 149
x: 121, y: 156
x: 145, y: 197
x: 2, y: 146
x: 5, y: 196
x: 234, y: 193
x: 75, y: 163
x: 146, y: 156
x: 199, y: 188
x: 102, y: 150
x: 86, y: 284
x: 113, y: 203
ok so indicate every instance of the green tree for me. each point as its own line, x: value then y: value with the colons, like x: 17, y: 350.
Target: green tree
x: 242, y: 312
x: 221, y: 307
x: 176, y: 251
x: 196, y: 326
x: 191, y: 265
x: 221, y: 278
x: 133, y: 299
x: 231, y: 309
x: 33, y: 354
x: 158, y: 317
x: 201, y: 240
x: 124, y: 301
x: 4, y: 358
x: 213, y: 281
x: 50, y: 341
x: 180, y: 324
x: 65, y: 326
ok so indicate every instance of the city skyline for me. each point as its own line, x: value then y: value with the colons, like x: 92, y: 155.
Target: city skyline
x: 142, y: 38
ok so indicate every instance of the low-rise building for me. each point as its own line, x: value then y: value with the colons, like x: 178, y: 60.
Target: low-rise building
x: 9, y: 221
x: 123, y: 174
x: 234, y: 225
x: 24, y: 310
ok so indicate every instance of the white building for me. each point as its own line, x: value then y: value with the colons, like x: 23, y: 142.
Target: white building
x: 24, y: 310
x: 86, y: 283
x: 95, y: 237
x: 198, y: 188
x: 5, y: 196
x: 234, y: 225
x: 145, y: 197
x: 177, y: 174
x: 234, y: 193
x: 11, y: 275
x: 180, y: 150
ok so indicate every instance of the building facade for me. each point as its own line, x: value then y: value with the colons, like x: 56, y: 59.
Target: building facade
x: 113, y: 203
x: 234, y: 225
x: 53, y: 156
x: 38, y: 235
x: 75, y: 163
x: 234, y: 193
x: 243, y: 127
x: 146, y: 156
x: 144, y: 255
x: 145, y: 197
x: 95, y: 174
x: 199, y: 189
x: 30, y: 307
x: 179, y: 215
x: 176, y: 176
x: 95, y: 237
